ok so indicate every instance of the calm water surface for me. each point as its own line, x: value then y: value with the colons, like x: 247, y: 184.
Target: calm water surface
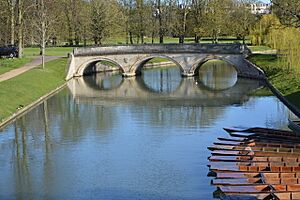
x: 104, y: 137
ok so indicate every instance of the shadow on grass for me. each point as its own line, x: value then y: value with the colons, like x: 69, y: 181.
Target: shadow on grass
x: 294, y: 98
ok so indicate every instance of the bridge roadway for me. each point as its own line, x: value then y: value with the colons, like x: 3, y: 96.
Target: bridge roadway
x: 136, y: 91
x: 188, y: 57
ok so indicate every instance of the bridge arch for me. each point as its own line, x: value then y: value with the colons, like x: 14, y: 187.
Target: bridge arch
x: 196, y: 67
x: 92, y: 61
x: 140, y: 64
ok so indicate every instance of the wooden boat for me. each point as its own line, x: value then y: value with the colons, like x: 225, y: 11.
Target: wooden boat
x: 241, y: 175
x: 255, y: 159
x: 256, y: 163
x: 254, y: 181
x: 254, y: 153
x: 264, y: 136
x: 261, y: 130
x: 226, y: 146
x: 262, y: 142
x: 258, y: 143
x: 294, y: 125
x: 254, y: 167
x: 291, y: 191
x: 263, y: 196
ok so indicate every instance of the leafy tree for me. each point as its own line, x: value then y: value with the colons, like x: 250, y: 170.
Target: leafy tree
x: 104, y: 16
x: 288, y: 11
x: 262, y: 28
x: 198, y: 15
x: 242, y: 20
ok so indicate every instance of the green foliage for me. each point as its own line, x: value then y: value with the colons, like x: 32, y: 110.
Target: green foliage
x: 28, y: 87
x: 9, y: 64
x: 287, y: 81
x: 287, y: 11
x: 259, y: 34
x: 287, y: 42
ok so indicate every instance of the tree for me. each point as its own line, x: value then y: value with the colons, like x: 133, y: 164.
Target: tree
x: 104, y: 16
x: 242, y: 19
x: 259, y: 34
x: 44, y: 17
x: 219, y: 18
x: 20, y: 28
x: 11, y: 5
x: 288, y: 11
x: 198, y: 14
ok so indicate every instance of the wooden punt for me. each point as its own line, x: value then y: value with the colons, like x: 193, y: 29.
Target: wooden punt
x: 254, y: 153
x: 268, y: 137
x: 260, y: 130
x: 294, y: 125
x: 241, y: 175
x: 256, y: 163
x: 255, y: 159
x: 226, y: 146
x: 262, y: 196
x: 263, y: 142
x: 260, y: 189
x: 254, y: 181
x: 253, y: 167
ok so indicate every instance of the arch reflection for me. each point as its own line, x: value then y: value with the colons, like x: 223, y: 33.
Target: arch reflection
x: 217, y: 75
x: 104, y: 81
x: 162, y: 80
x: 189, y: 92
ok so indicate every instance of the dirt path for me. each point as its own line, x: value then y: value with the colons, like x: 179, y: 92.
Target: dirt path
x: 15, y: 72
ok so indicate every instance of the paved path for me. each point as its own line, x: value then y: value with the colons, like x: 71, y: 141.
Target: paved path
x: 15, y: 72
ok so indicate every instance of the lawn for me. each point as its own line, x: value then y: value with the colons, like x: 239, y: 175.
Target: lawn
x: 30, y: 86
x: 7, y: 64
x: 287, y: 81
x: 259, y: 48
x: 50, y: 51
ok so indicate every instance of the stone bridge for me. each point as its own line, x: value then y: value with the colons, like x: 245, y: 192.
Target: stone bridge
x: 188, y: 57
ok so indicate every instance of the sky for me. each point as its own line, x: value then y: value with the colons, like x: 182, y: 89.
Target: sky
x: 266, y: 1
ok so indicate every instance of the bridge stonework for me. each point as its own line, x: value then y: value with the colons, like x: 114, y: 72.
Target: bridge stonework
x: 188, y: 57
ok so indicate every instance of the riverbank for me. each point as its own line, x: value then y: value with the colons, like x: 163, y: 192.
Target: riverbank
x: 287, y: 81
x: 21, y: 91
x: 10, y: 64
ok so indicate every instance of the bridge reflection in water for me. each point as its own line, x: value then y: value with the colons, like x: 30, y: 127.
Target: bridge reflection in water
x: 153, y: 89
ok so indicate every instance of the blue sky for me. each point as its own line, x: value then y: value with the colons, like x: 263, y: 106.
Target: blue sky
x: 266, y: 1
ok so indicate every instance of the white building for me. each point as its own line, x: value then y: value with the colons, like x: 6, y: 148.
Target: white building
x: 261, y: 8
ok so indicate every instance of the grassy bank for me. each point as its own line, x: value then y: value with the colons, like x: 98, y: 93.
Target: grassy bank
x: 7, y: 64
x: 50, y: 51
x: 287, y: 81
x: 30, y: 86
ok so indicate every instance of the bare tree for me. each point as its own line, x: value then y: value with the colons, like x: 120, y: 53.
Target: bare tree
x: 11, y: 5
x: 20, y: 28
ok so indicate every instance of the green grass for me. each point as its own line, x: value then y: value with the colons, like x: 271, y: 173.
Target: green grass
x: 287, y: 81
x: 259, y: 48
x: 30, y: 86
x: 7, y: 64
x: 50, y: 51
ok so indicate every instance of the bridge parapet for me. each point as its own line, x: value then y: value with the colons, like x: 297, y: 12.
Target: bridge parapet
x: 164, y: 48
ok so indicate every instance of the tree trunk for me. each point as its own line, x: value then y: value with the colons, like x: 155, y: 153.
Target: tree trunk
x: 20, y: 28
x: 181, y: 39
x: 197, y: 39
x: 12, y: 23
x: 161, y: 33
x: 130, y: 37
x: 43, y: 42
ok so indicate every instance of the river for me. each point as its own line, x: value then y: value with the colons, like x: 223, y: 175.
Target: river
x: 105, y: 137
